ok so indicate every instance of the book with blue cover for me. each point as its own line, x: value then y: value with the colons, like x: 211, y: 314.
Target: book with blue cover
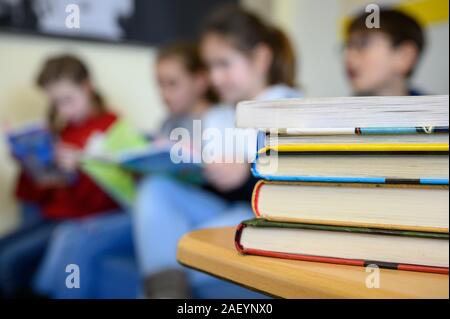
x: 115, y: 159
x: 384, y: 155
x: 32, y: 145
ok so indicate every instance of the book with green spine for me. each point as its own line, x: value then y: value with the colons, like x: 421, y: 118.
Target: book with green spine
x: 395, y: 249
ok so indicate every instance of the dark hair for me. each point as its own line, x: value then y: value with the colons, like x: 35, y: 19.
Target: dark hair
x: 189, y: 55
x: 247, y: 31
x: 398, y: 26
x: 66, y: 67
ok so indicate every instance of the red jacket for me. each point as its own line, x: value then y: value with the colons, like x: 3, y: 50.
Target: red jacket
x: 81, y: 198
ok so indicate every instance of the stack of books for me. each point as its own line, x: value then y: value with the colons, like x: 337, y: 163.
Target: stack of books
x: 353, y: 181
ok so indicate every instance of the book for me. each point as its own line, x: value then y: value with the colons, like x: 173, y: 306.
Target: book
x: 402, y: 250
x: 385, y: 206
x: 114, y: 179
x: 371, y: 142
x: 355, y: 181
x: 297, y: 148
x: 359, y: 167
x: 115, y: 158
x: 156, y: 158
x: 334, y: 116
x: 308, y: 158
x: 32, y: 145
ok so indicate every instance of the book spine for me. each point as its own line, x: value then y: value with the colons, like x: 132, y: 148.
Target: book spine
x: 290, y: 148
x: 260, y: 141
x: 237, y: 238
x: 259, y: 214
x: 340, y: 179
x: 255, y: 198
x: 401, y: 130
x: 368, y: 131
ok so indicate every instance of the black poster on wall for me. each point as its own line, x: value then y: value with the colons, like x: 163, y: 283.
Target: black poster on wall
x: 137, y: 21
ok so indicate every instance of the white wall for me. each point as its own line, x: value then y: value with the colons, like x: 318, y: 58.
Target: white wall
x: 432, y: 74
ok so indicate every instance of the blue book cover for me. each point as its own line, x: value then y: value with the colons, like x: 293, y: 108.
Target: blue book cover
x: 262, y: 148
x: 159, y: 160
x: 32, y: 145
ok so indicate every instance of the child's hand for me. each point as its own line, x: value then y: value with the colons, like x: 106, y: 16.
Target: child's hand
x: 52, y: 181
x: 227, y: 177
x: 67, y: 157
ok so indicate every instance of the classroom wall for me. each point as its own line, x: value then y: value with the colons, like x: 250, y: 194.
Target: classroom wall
x: 124, y: 74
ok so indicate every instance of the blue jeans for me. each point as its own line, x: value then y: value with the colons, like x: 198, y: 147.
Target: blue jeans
x: 84, y: 243
x: 21, y: 252
x: 167, y: 209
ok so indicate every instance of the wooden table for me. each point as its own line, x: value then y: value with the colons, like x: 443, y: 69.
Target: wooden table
x: 212, y: 251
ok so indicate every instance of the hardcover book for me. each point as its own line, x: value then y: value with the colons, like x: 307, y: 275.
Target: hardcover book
x: 387, y: 206
x: 402, y: 250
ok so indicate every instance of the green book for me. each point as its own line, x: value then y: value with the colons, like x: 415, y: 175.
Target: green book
x: 100, y: 165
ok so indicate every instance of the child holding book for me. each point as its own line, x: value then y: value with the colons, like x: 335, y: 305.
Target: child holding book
x: 381, y: 61
x: 247, y: 59
x: 185, y: 89
x: 77, y: 112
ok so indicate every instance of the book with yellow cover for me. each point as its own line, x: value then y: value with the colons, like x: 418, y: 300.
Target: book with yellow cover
x: 296, y: 148
x: 378, y: 157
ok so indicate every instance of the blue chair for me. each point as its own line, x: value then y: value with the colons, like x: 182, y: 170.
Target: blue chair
x: 119, y: 278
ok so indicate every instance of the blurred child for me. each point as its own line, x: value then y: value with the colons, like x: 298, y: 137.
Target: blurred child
x: 77, y: 112
x: 381, y: 61
x: 184, y: 85
x: 247, y: 59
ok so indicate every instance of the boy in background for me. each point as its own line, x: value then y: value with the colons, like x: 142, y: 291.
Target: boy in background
x: 380, y: 61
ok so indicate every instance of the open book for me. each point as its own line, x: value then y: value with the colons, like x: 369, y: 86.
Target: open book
x: 114, y: 158
x: 32, y: 145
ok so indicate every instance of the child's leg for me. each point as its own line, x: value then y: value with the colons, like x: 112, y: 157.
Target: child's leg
x: 20, y: 253
x: 166, y: 210
x: 30, y: 214
x: 84, y: 243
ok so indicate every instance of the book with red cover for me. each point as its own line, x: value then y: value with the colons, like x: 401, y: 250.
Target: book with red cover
x: 385, y: 206
x: 356, y: 246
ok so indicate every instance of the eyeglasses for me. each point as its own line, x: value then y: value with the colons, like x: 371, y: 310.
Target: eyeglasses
x: 362, y: 42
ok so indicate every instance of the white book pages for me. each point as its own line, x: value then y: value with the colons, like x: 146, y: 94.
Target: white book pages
x: 344, y: 113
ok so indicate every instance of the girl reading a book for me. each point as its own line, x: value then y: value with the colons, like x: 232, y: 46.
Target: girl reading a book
x: 77, y: 112
x: 247, y: 59
x: 185, y: 89
x: 184, y: 84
